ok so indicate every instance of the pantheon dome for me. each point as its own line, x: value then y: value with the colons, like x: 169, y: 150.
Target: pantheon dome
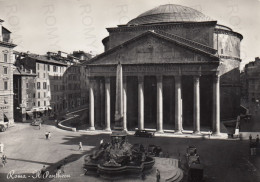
x: 169, y: 13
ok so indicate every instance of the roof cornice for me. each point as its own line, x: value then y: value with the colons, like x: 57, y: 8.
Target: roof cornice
x: 160, y: 26
x: 7, y: 44
x: 221, y: 31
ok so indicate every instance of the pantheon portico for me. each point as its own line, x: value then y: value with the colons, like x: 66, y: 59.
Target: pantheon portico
x: 180, y: 72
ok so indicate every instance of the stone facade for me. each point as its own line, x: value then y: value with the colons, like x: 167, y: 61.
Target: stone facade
x: 252, y: 81
x: 177, y: 75
x: 60, y: 82
x: 24, y: 94
x: 6, y: 76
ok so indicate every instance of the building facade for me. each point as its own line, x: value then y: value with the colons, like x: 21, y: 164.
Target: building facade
x: 180, y: 68
x: 24, y: 94
x: 57, y: 85
x: 6, y: 75
x: 251, y: 81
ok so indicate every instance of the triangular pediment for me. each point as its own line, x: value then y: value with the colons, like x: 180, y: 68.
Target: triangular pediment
x: 153, y: 47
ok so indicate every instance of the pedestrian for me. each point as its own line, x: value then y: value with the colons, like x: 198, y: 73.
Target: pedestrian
x: 1, y: 147
x: 40, y: 125
x: 250, y: 138
x: 80, y: 146
x: 43, y: 171
x: 101, y: 141
x: 257, y: 139
x: 4, y: 159
x: 47, y: 135
x: 158, y: 175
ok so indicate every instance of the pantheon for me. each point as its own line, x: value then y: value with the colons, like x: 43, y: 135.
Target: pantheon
x: 180, y: 72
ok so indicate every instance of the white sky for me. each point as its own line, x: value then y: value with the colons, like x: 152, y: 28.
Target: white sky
x: 39, y: 26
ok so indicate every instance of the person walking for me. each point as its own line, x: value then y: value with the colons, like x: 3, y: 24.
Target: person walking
x: 43, y: 171
x: 40, y: 125
x: 4, y: 159
x: 257, y: 139
x: 158, y: 175
x: 250, y: 138
x: 80, y: 146
x: 47, y: 135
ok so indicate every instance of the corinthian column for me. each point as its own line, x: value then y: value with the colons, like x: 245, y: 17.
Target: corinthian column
x: 91, y: 104
x: 159, y: 104
x: 107, y: 103
x: 216, y: 105
x: 140, y: 102
x: 196, y: 106
x: 178, y: 105
x: 125, y: 103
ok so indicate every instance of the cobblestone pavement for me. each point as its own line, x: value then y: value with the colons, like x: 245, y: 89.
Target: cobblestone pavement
x: 27, y: 151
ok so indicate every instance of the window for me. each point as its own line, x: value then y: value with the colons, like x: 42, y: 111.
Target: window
x: 39, y: 94
x: 43, y: 75
x: 44, y: 67
x: 34, y: 97
x: 5, y: 70
x: 38, y: 66
x: 48, y: 67
x: 6, y: 85
x: 44, y: 94
x: 38, y: 75
x: 54, y: 68
x: 5, y: 58
x: 48, y: 87
x: 38, y: 85
x: 34, y: 104
x: 39, y: 103
x: 27, y: 85
x: 44, y: 103
x: 222, y: 51
x: 44, y: 85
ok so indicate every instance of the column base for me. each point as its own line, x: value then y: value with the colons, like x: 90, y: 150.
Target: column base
x: 178, y: 132
x: 92, y: 128
x: 159, y: 131
x: 108, y: 129
x: 196, y: 133
x: 216, y: 134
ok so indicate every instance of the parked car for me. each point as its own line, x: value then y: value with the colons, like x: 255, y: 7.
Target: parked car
x: 3, y: 127
x: 154, y: 150
x: 36, y: 122
x: 143, y: 133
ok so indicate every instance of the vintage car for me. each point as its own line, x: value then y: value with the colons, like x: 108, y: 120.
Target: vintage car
x: 143, y: 133
x: 36, y: 122
x: 3, y: 127
x: 154, y: 150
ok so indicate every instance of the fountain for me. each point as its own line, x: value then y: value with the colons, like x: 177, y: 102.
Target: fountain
x: 118, y: 158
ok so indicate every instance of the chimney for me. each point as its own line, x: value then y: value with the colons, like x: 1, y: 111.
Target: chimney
x: 31, y: 71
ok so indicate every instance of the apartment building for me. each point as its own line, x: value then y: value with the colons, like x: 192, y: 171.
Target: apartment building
x: 6, y: 75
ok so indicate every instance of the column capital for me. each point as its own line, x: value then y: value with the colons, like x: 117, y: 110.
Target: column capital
x: 140, y: 79
x: 216, y: 78
x: 196, y: 78
x: 107, y: 79
x: 91, y: 79
x: 159, y: 78
x: 177, y: 78
x: 124, y: 79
